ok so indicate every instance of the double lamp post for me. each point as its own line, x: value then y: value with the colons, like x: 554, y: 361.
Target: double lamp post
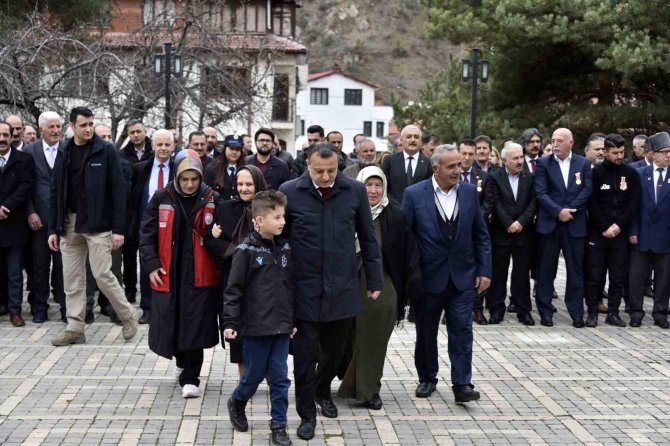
x: 474, y: 70
x: 168, y: 65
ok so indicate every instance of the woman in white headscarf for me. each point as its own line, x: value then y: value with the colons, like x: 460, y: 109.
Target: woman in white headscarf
x: 378, y: 317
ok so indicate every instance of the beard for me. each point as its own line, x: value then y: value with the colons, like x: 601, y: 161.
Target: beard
x: 264, y: 150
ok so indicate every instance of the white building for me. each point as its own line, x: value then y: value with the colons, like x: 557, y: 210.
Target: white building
x: 337, y: 100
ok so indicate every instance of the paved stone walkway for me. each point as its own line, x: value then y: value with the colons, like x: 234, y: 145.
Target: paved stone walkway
x: 554, y: 386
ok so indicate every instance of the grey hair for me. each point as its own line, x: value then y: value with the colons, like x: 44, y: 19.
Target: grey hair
x: 512, y: 145
x: 47, y: 116
x: 644, y: 138
x: 365, y: 141
x: 410, y: 126
x: 441, y: 150
x: 165, y: 132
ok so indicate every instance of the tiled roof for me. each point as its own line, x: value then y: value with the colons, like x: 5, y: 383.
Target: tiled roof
x: 337, y: 69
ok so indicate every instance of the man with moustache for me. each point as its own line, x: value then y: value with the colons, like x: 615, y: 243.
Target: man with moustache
x: 16, y: 184
x: 197, y: 141
x: 275, y: 171
x: 212, y: 136
x: 594, y: 148
x: 367, y: 154
x: 455, y: 251
x: 138, y: 147
x: 407, y: 167
x: 337, y: 140
x: 531, y: 140
x: 512, y: 234
x: 562, y: 187
x: 17, y: 131
x: 483, y: 145
x: 148, y: 177
x: 44, y: 152
x: 612, y: 207
x: 29, y: 135
x: 104, y: 132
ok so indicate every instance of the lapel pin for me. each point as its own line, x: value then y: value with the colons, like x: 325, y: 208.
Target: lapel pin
x: 578, y: 178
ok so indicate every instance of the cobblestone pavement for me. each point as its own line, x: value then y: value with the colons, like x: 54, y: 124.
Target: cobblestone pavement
x: 555, y: 386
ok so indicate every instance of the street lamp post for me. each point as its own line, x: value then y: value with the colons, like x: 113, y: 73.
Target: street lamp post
x: 474, y: 76
x: 167, y: 64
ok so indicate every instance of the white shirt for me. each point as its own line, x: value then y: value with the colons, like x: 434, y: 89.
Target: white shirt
x: 139, y: 153
x: 446, y: 202
x: 665, y: 179
x: 50, y: 153
x: 153, y: 179
x: 513, y: 182
x: 415, y: 159
x: 565, y: 167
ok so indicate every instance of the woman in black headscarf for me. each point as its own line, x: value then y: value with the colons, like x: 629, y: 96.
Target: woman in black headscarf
x: 232, y: 223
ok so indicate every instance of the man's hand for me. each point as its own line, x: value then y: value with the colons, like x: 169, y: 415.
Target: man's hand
x: 482, y: 284
x: 155, y: 276
x: 373, y: 294
x: 229, y: 333
x: 293, y: 332
x: 34, y: 222
x: 612, y: 231
x: 53, y: 242
x: 514, y: 228
x: 566, y: 214
x: 4, y: 212
x: 216, y: 231
x: 117, y: 241
x: 633, y: 239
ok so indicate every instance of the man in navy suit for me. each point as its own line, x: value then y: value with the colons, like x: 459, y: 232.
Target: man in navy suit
x: 650, y: 237
x: 562, y: 186
x: 455, y: 253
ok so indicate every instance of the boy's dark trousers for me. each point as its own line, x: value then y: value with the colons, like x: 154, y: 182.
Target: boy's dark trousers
x: 191, y: 361
x: 266, y: 355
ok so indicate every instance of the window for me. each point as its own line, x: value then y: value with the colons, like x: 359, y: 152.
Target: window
x: 353, y: 97
x: 158, y: 12
x: 224, y: 17
x: 283, y: 19
x: 280, y: 103
x: 367, y: 128
x: 380, y: 129
x: 318, y: 96
x: 228, y: 82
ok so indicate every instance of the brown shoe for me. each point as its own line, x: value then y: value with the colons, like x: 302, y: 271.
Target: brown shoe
x: 479, y: 318
x: 602, y: 308
x: 16, y: 320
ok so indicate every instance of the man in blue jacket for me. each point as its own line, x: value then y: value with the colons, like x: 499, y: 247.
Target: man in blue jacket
x: 562, y: 186
x: 327, y: 219
x: 455, y: 253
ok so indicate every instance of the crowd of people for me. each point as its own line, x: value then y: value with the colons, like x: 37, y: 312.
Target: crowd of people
x: 324, y: 254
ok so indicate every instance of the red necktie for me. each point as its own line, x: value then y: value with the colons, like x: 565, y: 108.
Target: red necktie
x: 465, y: 177
x: 532, y: 166
x: 161, y: 183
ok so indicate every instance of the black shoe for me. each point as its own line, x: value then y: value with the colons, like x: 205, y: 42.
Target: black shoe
x: 40, y: 317
x: 649, y: 291
x: 479, y: 318
x: 375, y: 403
x: 615, y: 320
x: 90, y: 317
x: 328, y: 408
x: 526, y: 319
x: 546, y: 322
x: 463, y: 394
x: 591, y: 321
x: 663, y: 323
x: 279, y: 435
x: 635, y: 323
x: 306, y: 429
x: 237, y: 416
x: 146, y: 317
x: 495, y: 319
x: 511, y: 308
x: 424, y: 390
x: 106, y: 311
x: 578, y: 323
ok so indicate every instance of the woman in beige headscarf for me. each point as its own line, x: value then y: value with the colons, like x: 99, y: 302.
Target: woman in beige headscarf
x: 378, y: 317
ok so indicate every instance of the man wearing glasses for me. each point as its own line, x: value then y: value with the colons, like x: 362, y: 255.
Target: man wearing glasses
x: 275, y: 171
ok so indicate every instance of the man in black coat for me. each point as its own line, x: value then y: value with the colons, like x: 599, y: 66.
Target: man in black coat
x: 512, y: 234
x: 44, y: 151
x: 275, y: 171
x: 325, y: 214
x: 148, y: 177
x: 16, y: 183
x: 408, y: 166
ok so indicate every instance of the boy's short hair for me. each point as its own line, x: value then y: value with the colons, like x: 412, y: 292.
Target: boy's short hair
x: 267, y: 201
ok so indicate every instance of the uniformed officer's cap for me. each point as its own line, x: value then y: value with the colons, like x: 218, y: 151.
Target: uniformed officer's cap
x: 659, y: 141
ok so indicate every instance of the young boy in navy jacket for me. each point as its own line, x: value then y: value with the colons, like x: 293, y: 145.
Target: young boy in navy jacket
x: 258, y: 305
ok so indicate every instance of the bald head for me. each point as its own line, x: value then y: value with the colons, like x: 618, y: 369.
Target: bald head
x: 410, y: 139
x: 561, y: 142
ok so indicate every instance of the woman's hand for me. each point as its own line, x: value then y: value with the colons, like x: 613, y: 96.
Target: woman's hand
x: 216, y: 230
x: 155, y: 276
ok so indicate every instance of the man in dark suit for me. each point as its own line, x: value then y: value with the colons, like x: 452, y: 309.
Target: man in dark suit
x: 512, y: 234
x: 647, y: 158
x: 640, y: 148
x: 562, y: 187
x: 531, y: 141
x: 44, y: 152
x: 275, y: 171
x: 148, y: 177
x: 407, y: 167
x: 650, y: 237
x: 455, y: 250
x: 483, y: 146
x: 16, y: 184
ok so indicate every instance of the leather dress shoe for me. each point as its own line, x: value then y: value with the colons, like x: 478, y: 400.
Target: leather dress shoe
x: 479, y: 318
x: 306, y: 429
x: 16, y: 320
x: 375, y: 403
x: 463, y: 394
x: 663, y: 323
x: 526, y: 319
x: 40, y: 317
x: 578, y: 323
x: 424, y: 390
x: 592, y: 321
x: 511, y: 308
x: 496, y: 319
x: 146, y: 317
x: 237, y: 416
x: 635, y: 323
x: 328, y: 408
x: 546, y: 322
x: 602, y: 308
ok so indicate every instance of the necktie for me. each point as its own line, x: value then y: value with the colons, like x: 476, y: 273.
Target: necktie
x: 51, y: 156
x: 231, y: 176
x: 465, y: 177
x: 532, y: 165
x: 161, y: 182
x: 325, y: 191
x: 2, y: 162
x: 659, y: 183
x: 409, y: 170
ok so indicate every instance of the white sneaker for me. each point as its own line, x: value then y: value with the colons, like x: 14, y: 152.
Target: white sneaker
x: 177, y: 372
x: 190, y: 391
